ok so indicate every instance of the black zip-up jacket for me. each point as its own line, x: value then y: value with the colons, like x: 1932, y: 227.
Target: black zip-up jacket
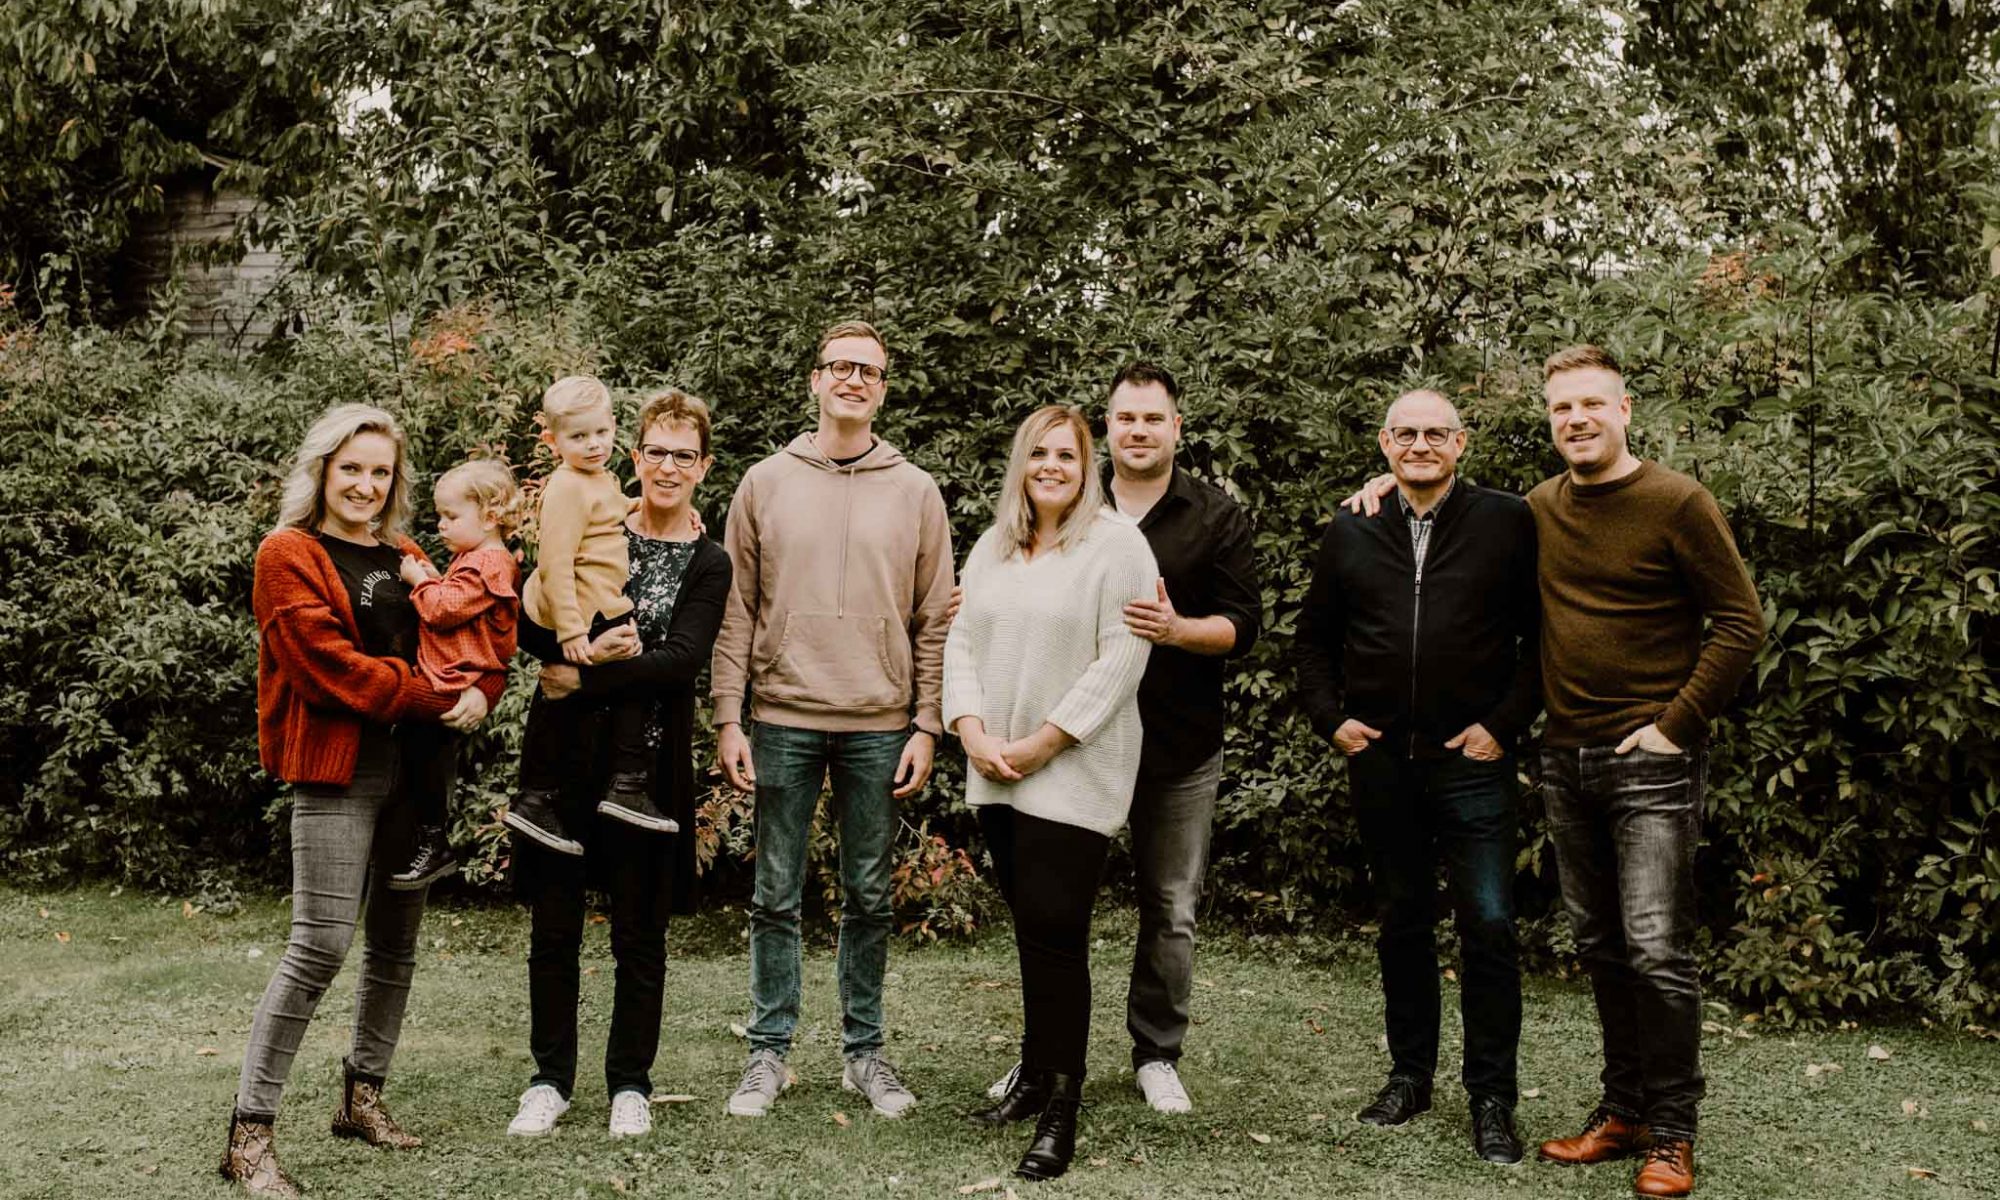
x: 1423, y: 658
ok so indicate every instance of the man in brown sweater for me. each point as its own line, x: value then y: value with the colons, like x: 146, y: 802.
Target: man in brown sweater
x: 1635, y: 560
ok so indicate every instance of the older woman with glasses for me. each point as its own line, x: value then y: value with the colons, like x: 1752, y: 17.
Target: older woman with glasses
x: 679, y: 583
x: 1041, y: 685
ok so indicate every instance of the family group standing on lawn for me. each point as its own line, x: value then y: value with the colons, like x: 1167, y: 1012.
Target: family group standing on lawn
x: 1077, y: 657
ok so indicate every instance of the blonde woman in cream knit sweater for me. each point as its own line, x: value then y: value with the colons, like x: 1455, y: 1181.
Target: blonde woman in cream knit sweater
x: 1041, y: 684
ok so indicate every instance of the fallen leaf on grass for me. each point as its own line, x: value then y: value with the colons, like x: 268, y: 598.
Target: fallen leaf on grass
x: 45, y: 913
x: 207, y: 1052
x: 1451, y: 974
x: 617, y: 1183
x: 672, y: 1098
x: 150, y: 1169
x: 1532, y: 1094
x: 1979, y: 1125
x: 841, y: 1119
x: 1712, y: 1027
x: 1921, y: 1173
x: 1912, y: 1108
x: 1315, y: 1116
x: 590, y: 970
x: 738, y: 1030
x: 1100, y: 1162
x: 1262, y: 1139
x: 598, y: 918
x: 984, y: 1185
x: 996, y: 1039
x: 188, y: 910
x: 1314, y: 1025
x: 1878, y: 1053
x: 62, y: 937
x: 1815, y: 1070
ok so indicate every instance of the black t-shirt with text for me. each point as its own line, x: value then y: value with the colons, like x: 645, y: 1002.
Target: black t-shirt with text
x: 378, y: 595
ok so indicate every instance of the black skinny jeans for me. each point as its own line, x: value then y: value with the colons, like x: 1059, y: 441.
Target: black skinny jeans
x: 632, y: 866
x: 555, y: 727
x: 1049, y: 873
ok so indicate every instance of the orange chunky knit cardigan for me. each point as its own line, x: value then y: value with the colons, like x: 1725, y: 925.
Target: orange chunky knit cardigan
x: 315, y: 687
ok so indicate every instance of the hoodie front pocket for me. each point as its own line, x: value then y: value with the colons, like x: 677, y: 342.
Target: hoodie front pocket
x: 833, y: 661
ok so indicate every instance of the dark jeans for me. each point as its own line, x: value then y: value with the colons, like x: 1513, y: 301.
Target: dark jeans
x: 632, y: 866
x: 792, y: 766
x: 1414, y: 814
x: 1049, y: 874
x: 1625, y: 828
x: 556, y: 727
x: 1170, y: 822
x: 430, y: 763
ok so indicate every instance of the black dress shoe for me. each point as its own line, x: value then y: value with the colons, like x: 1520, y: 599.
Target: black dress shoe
x: 1493, y: 1136
x: 1400, y: 1099
x: 1027, y: 1098
x: 1054, y: 1146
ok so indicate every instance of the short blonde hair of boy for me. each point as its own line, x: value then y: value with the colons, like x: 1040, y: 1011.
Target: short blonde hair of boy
x: 672, y: 406
x: 488, y: 484
x: 574, y: 394
x: 1014, y: 513
x: 1583, y: 357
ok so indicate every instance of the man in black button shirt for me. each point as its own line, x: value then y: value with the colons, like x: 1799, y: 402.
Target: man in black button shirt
x: 1418, y: 660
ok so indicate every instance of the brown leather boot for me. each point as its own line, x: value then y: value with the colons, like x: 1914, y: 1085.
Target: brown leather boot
x: 361, y: 1114
x: 1605, y: 1136
x: 1669, y: 1170
x: 251, y: 1159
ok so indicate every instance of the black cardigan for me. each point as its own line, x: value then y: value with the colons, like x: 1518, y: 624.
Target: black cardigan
x: 667, y: 671
x: 1423, y: 668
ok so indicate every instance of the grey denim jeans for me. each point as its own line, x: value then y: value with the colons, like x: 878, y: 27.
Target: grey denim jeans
x: 339, y: 883
x: 1170, y: 823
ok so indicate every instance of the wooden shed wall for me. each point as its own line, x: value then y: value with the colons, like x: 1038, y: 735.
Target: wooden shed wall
x: 229, y: 301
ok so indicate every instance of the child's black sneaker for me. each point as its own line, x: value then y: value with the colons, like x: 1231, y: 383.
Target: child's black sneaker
x: 630, y: 799
x: 432, y: 861
x: 534, y: 816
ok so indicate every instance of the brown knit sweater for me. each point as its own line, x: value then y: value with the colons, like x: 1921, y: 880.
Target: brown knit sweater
x: 1629, y: 571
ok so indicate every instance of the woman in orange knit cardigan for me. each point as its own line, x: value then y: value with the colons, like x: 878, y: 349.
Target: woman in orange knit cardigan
x: 336, y: 642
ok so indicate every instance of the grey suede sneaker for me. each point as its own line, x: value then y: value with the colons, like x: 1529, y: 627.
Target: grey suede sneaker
x: 764, y: 1076
x: 873, y: 1077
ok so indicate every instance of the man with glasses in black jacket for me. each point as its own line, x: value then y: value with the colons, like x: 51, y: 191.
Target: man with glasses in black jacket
x: 1418, y: 660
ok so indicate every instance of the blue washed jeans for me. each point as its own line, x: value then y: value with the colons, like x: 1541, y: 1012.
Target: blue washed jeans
x: 1625, y: 829
x: 1415, y: 815
x: 791, y: 765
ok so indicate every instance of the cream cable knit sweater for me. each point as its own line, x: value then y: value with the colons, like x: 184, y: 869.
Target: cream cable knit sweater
x: 1045, y: 640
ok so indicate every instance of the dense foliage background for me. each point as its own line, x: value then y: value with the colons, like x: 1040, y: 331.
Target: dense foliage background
x: 1782, y: 215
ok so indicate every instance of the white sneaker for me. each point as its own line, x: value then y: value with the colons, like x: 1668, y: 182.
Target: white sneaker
x: 873, y: 1077
x: 631, y: 1114
x: 1162, y: 1085
x: 998, y: 1089
x: 764, y: 1076
x: 540, y: 1106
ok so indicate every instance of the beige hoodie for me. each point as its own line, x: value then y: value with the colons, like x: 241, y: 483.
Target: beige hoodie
x: 836, y: 613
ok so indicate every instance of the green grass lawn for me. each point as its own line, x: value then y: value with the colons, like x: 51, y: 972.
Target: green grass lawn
x: 119, y: 1045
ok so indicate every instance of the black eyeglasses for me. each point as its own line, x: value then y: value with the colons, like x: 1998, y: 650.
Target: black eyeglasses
x: 844, y: 369
x: 1434, y: 436
x: 657, y: 455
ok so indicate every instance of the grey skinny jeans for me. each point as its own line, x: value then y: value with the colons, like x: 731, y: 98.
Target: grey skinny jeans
x: 337, y: 833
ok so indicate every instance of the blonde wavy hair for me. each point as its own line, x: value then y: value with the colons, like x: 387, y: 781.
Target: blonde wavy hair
x: 303, y: 505
x: 490, y: 486
x: 1014, y: 513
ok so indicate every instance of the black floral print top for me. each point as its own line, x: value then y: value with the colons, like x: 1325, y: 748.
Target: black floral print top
x: 658, y: 568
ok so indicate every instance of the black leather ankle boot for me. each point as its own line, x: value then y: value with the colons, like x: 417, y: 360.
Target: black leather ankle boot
x: 1027, y: 1098
x: 1054, y: 1146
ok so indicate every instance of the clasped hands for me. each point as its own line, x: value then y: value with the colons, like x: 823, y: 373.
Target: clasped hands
x: 1005, y: 761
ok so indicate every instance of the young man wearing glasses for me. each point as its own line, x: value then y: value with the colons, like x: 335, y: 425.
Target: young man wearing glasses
x: 1418, y: 660
x: 835, y: 629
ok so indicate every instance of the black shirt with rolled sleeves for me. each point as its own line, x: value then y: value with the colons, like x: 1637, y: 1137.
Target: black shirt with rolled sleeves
x: 1204, y: 545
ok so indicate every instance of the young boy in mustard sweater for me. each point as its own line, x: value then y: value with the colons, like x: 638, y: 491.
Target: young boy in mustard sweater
x: 577, y: 592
